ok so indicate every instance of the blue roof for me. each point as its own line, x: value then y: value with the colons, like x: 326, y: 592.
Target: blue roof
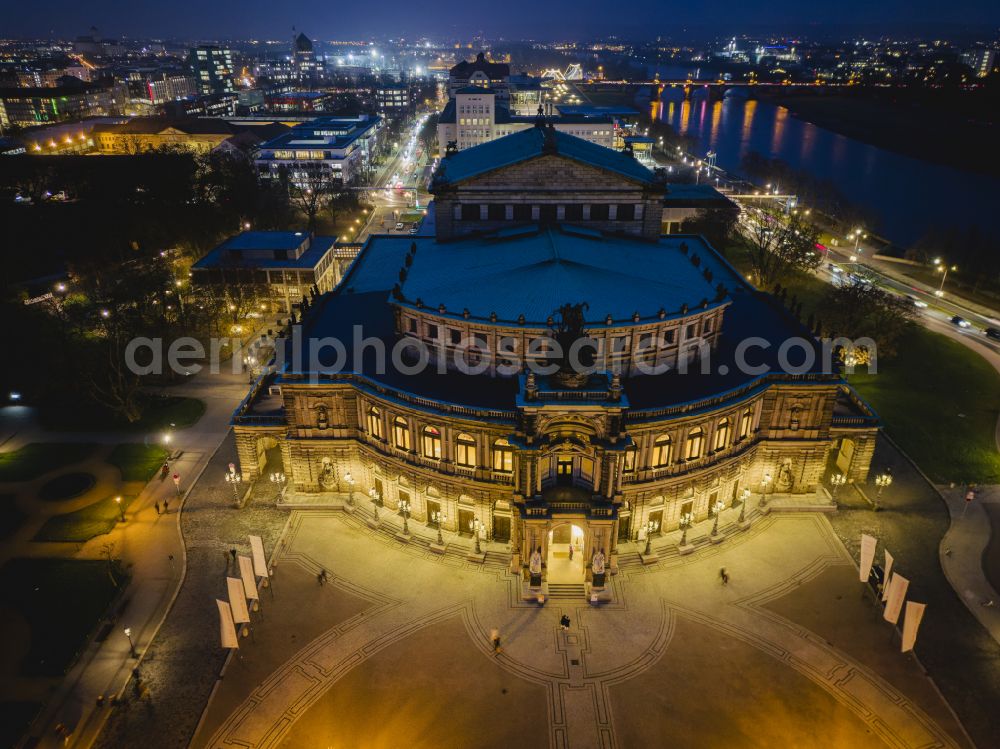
x: 530, y: 271
x: 529, y: 144
x: 228, y: 254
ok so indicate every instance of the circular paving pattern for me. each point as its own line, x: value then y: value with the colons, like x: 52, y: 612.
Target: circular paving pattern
x: 67, y: 486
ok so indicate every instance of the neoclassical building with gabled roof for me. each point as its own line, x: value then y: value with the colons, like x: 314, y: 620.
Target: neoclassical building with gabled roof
x: 543, y: 239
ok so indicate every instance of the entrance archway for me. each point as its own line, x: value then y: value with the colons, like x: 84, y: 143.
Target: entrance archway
x: 566, y: 554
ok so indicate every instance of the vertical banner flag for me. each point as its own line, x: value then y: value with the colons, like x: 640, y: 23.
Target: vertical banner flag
x: 885, y: 575
x: 249, y: 584
x: 257, y: 550
x: 897, y: 592
x: 237, y: 600
x: 911, y: 623
x: 867, y: 555
x: 227, y: 630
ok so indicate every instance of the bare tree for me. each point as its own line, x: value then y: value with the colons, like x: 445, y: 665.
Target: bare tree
x: 311, y: 194
x: 778, y: 244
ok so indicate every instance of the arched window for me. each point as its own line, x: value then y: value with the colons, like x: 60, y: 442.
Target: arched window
x: 375, y: 423
x: 465, y: 450
x: 746, y: 422
x: 695, y: 443
x: 721, y: 434
x: 663, y: 450
x: 630, y: 454
x: 401, y: 433
x: 503, y: 456
x: 432, y: 443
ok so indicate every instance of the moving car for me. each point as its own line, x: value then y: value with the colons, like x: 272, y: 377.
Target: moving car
x: 916, y: 302
x: 960, y: 322
x: 993, y: 333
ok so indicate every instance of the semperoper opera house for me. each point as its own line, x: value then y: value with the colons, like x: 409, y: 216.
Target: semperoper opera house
x: 543, y: 238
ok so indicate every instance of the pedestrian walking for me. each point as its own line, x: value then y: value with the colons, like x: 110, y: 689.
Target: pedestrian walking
x: 323, y: 573
x: 724, y: 576
x: 157, y: 503
x: 166, y: 506
x: 564, y: 621
x: 321, y: 577
x: 232, y: 553
x: 495, y: 639
x: 571, y: 552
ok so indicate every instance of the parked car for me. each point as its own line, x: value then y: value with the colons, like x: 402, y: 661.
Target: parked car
x: 993, y: 333
x: 960, y: 322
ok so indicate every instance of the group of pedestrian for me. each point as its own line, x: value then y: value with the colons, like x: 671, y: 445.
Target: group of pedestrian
x: 166, y: 506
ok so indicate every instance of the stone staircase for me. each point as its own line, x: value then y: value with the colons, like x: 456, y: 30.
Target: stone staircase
x: 566, y: 591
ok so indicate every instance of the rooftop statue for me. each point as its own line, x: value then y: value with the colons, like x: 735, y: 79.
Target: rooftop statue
x: 574, y: 366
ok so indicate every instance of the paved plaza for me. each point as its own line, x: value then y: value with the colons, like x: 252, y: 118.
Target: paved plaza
x: 394, y: 650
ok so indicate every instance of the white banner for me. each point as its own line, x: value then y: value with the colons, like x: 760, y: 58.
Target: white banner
x: 867, y: 555
x: 249, y: 583
x: 237, y: 600
x: 885, y: 575
x: 227, y: 629
x: 911, y: 623
x: 259, y: 561
x: 897, y: 593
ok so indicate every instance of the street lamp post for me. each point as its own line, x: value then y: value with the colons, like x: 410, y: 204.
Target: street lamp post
x: 131, y: 645
x: 720, y: 505
x: 350, y: 488
x: 281, y: 481
x: 881, y: 481
x: 943, y: 269
x: 763, y: 494
x: 474, y: 526
x: 376, y: 498
x: 234, y: 479
x: 685, y: 522
x: 438, y: 518
x: 121, y: 509
x: 837, y: 480
x: 651, y: 527
x: 404, y: 508
x: 744, y: 498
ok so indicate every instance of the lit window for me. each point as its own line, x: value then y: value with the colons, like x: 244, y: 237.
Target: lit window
x: 401, y: 433
x: 662, y: 451
x: 375, y: 423
x: 432, y: 443
x: 695, y: 443
x: 465, y: 451
x: 503, y: 456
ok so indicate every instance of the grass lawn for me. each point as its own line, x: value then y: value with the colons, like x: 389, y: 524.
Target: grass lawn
x: 84, y: 524
x: 11, y: 516
x: 137, y: 462
x: 939, y: 401
x: 61, y: 600
x: 33, y: 460
x: 158, y: 413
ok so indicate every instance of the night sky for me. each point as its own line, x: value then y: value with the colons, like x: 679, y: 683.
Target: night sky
x: 443, y: 19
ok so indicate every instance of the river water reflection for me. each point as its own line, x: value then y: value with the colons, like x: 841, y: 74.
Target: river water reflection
x: 908, y: 195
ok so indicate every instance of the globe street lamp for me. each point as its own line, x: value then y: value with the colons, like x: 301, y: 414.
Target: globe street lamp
x: 763, y: 494
x: 474, y: 526
x: 281, y: 481
x: 376, y: 500
x: 651, y: 527
x: 350, y: 488
x: 131, y: 645
x: 685, y: 522
x: 121, y: 510
x: 837, y: 480
x: 881, y: 481
x: 404, y: 509
x: 438, y: 518
x: 234, y: 479
x: 720, y: 505
x: 744, y: 498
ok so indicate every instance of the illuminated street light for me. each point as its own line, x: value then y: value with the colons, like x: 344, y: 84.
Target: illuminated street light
x: 350, y: 488
x: 474, y: 526
x: 837, y: 480
x: 720, y: 505
x: 121, y: 510
x: 404, y: 509
x: 438, y: 518
x: 651, y: 527
x: 763, y: 495
x: 943, y: 269
x: 882, y: 481
x: 744, y: 498
x: 131, y: 645
x: 234, y: 479
x: 281, y: 481
x: 685, y: 521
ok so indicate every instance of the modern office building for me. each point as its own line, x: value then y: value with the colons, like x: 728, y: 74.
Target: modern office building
x: 327, y: 150
x: 213, y: 69
x: 544, y: 238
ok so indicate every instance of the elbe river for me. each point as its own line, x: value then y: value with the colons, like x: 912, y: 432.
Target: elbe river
x: 908, y: 195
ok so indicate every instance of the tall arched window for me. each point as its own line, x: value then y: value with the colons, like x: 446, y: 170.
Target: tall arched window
x: 746, y: 422
x: 375, y: 423
x: 465, y: 450
x: 503, y: 456
x: 695, y: 443
x: 401, y: 433
x: 432, y: 443
x: 663, y: 450
x: 721, y: 434
x: 630, y: 454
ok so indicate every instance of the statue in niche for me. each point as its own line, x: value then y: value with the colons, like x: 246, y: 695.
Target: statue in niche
x: 535, y: 567
x: 327, y: 475
x: 575, y: 369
